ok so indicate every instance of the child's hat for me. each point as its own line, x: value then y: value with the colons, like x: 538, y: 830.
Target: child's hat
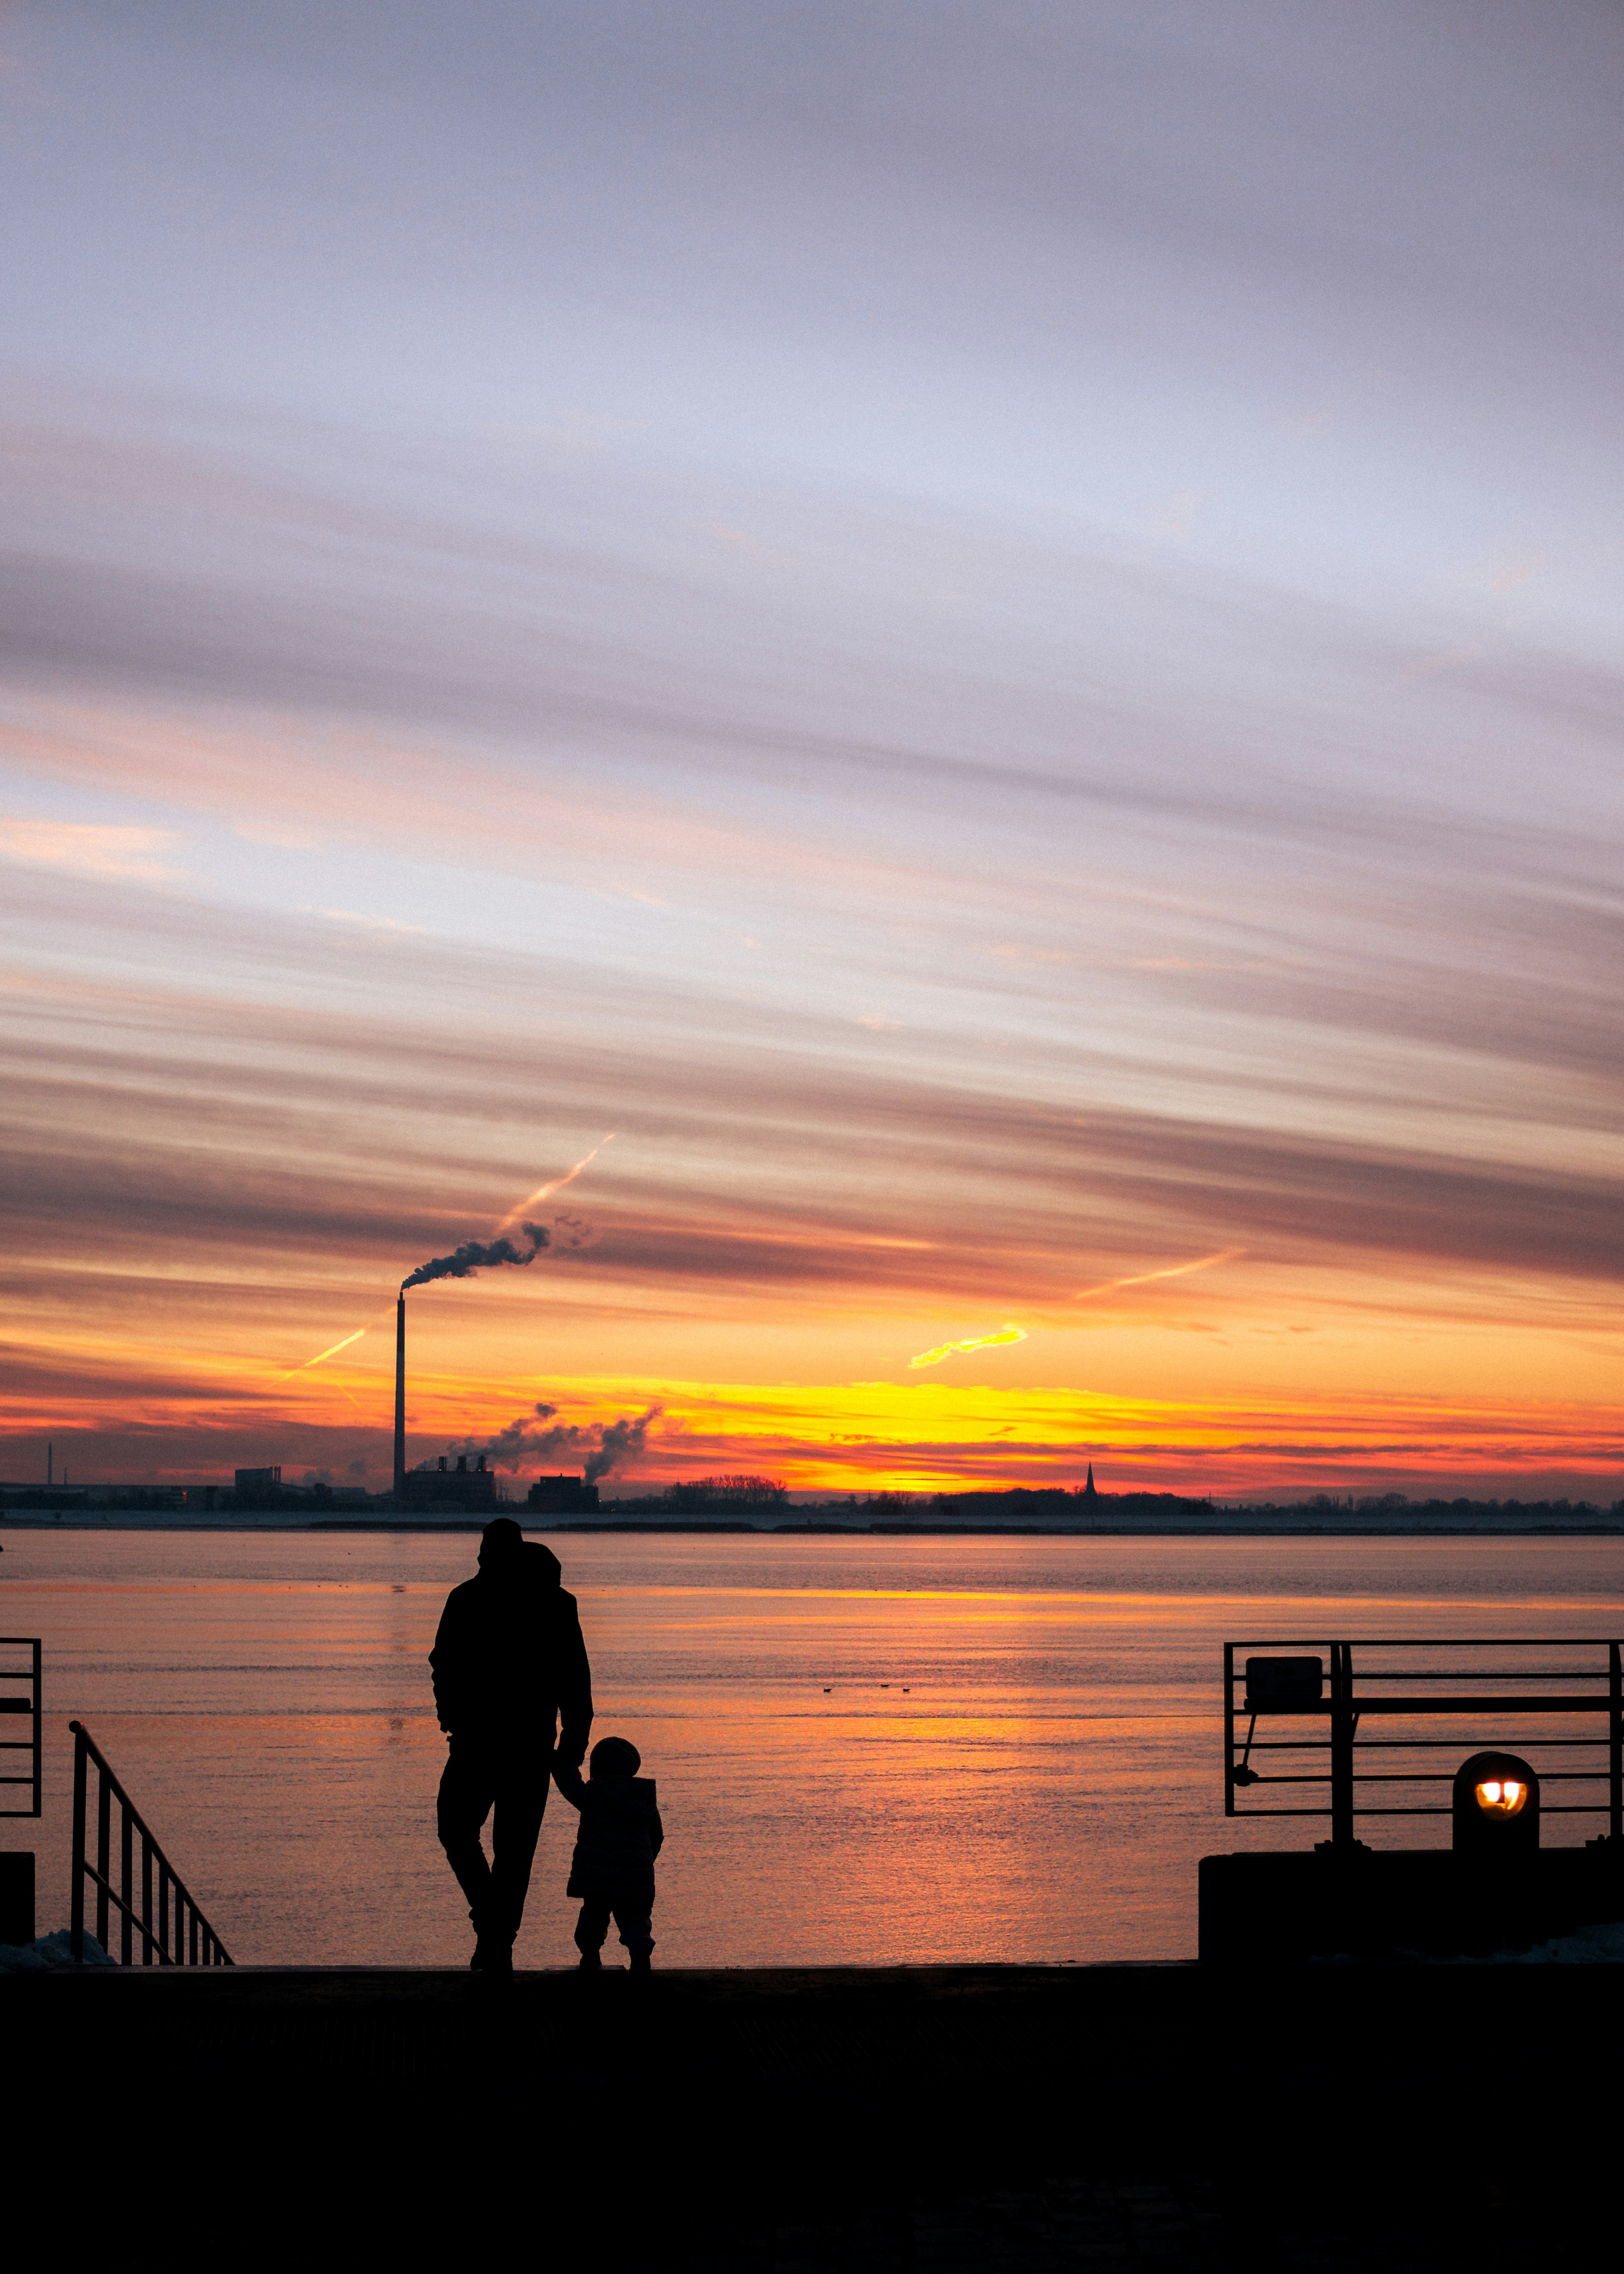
x: 616, y: 1757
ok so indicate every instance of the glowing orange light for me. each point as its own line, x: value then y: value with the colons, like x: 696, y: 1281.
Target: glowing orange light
x: 1501, y: 1796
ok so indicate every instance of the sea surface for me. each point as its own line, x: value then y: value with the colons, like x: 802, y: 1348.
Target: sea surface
x: 869, y: 1751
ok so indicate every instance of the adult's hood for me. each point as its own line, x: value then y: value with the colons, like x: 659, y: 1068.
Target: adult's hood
x: 505, y: 1554
x: 541, y: 1567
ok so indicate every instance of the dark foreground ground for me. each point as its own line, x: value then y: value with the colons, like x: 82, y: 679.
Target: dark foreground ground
x: 1021, y: 2119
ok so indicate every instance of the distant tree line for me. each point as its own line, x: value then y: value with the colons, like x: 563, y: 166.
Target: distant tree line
x: 1398, y: 1503
x: 752, y: 1497
x: 747, y: 1495
x: 729, y: 1495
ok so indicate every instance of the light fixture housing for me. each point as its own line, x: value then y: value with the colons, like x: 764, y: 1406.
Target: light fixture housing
x: 1496, y: 1805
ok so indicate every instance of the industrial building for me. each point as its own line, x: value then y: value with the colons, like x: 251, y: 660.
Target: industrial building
x: 562, y: 1497
x: 257, y: 1492
x: 444, y: 1487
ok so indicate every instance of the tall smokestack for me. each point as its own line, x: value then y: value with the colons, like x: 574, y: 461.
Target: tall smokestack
x: 400, y: 1399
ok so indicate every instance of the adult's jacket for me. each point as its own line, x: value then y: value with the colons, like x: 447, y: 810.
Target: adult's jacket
x: 508, y: 1660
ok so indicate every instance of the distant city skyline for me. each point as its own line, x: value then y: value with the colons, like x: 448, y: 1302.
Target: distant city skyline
x: 990, y: 633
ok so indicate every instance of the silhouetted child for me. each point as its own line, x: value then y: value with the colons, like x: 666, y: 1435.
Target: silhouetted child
x: 613, y: 1868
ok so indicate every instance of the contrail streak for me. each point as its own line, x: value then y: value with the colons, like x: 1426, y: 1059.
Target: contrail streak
x: 538, y: 1240
x: 333, y: 1352
x: 556, y: 1184
x: 1174, y: 1271
x: 977, y: 1341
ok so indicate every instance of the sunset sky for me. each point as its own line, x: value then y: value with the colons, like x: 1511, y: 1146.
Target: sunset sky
x: 989, y: 631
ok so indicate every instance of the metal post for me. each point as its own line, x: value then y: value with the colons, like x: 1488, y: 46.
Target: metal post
x: 104, y: 1848
x: 76, y: 1899
x: 126, y: 1883
x: 1341, y: 1744
x: 39, y: 1732
x: 1615, y: 1742
x: 1229, y: 1728
x: 146, y: 1892
x: 163, y: 1910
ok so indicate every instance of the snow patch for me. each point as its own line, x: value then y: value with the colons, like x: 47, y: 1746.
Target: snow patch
x: 1592, y: 1945
x: 38, y: 1957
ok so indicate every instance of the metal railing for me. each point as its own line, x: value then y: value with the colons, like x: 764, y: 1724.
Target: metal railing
x: 35, y: 1742
x: 172, y: 1930
x: 1484, y: 1698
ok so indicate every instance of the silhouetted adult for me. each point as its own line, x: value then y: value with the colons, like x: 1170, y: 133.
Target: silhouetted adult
x: 508, y: 1663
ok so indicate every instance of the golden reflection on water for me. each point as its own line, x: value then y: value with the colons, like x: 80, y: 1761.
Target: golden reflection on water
x: 869, y: 1751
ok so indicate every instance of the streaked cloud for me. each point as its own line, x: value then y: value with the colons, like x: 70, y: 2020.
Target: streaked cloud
x: 1003, y: 662
x: 975, y: 1342
x: 90, y: 848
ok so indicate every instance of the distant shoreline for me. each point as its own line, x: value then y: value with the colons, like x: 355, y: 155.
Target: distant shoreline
x: 142, y: 1520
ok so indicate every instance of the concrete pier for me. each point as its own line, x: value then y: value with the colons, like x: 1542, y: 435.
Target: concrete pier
x: 1023, y: 2117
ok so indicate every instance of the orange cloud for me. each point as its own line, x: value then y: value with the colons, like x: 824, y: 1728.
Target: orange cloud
x: 90, y: 849
x: 977, y: 1341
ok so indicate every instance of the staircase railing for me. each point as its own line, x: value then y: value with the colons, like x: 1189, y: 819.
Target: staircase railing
x: 164, y: 1915
x: 33, y: 1744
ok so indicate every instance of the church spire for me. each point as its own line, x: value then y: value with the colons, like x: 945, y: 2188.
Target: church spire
x: 1088, y: 1491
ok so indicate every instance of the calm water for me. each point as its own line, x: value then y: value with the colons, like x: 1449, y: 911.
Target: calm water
x: 1036, y: 1783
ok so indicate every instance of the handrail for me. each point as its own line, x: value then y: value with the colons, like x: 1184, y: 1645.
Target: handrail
x: 181, y: 1935
x: 33, y: 1743
x: 1346, y: 1706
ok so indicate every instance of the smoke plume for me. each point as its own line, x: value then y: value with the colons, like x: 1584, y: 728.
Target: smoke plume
x: 507, y: 1449
x: 477, y: 1256
x: 606, y: 1445
x: 618, y: 1441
